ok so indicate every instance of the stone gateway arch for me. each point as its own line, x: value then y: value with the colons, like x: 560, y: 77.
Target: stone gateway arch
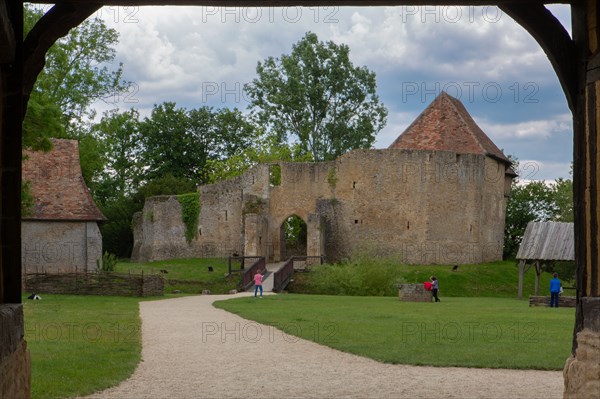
x: 576, y: 60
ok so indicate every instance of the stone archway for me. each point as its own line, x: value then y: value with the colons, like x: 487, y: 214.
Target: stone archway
x: 292, y: 237
x: 576, y: 61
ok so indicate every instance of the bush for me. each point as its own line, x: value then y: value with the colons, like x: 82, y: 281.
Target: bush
x: 109, y: 262
x: 363, y: 276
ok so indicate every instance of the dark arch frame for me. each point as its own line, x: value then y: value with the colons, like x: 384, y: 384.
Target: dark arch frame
x: 576, y: 61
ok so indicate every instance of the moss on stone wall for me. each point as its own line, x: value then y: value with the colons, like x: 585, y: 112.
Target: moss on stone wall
x: 190, y: 211
x: 256, y: 205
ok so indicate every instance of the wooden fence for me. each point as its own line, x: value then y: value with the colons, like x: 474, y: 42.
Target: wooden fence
x: 117, y: 284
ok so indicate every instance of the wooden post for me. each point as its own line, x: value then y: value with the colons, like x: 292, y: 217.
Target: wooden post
x: 581, y: 376
x: 521, y: 275
x: 11, y: 79
x: 537, y: 277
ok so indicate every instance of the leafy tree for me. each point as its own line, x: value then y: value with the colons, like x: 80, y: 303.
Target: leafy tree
x: 76, y: 73
x: 265, y: 149
x: 527, y: 203
x: 117, y: 236
x: 219, y: 134
x: 318, y: 97
x: 563, y: 197
x: 180, y: 142
x: 120, y: 138
x: 164, y: 185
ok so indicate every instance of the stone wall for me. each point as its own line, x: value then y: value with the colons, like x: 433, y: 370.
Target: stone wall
x: 427, y: 206
x: 413, y: 293
x: 15, y: 362
x: 563, y: 301
x: 159, y: 229
x: 60, y: 247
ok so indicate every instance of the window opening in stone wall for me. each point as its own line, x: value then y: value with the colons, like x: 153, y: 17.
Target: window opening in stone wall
x: 355, y: 221
x: 293, y: 237
x: 407, y: 225
x: 275, y: 174
x: 199, y: 232
x: 353, y: 184
x: 225, y: 215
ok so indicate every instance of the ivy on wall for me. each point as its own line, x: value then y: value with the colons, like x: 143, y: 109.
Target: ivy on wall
x: 332, y: 178
x: 190, y: 212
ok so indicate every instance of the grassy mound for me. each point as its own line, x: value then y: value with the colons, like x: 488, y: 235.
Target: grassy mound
x: 379, y: 276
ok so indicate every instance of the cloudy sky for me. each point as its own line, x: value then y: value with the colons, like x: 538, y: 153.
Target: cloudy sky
x: 203, y: 56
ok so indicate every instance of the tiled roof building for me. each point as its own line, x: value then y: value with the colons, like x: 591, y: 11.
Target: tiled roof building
x: 57, y: 184
x: 445, y: 125
x: 62, y: 234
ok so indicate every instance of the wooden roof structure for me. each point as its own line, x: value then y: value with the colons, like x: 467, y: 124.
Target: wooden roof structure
x: 547, y: 241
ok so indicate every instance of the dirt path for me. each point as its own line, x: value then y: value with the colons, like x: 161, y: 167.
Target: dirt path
x: 192, y: 350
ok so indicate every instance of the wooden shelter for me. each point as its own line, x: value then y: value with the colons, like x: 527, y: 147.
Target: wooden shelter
x: 575, y: 57
x: 544, y: 241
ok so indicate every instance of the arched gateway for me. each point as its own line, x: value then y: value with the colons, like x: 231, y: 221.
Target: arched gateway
x: 576, y: 61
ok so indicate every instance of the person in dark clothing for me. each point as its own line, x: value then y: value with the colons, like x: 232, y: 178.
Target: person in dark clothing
x: 554, y: 290
x: 434, y: 288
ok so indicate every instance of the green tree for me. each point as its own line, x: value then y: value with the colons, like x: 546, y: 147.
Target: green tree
x: 121, y: 142
x: 563, y: 197
x: 319, y: 98
x: 180, y: 142
x: 76, y: 73
x: 532, y: 202
x: 266, y: 149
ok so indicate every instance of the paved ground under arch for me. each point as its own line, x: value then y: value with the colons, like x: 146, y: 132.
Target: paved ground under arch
x: 193, y: 350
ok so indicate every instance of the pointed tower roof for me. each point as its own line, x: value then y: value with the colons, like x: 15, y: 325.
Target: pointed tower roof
x: 445, y: 125
x: 57, y: 185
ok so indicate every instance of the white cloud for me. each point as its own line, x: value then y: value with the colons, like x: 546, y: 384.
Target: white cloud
x: 535, y: 129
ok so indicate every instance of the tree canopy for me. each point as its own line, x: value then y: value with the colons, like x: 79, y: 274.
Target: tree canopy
x: 316, y: 96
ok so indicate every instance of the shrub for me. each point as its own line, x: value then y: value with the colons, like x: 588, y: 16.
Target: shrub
x: 109, y: 261
x: 362, y: 276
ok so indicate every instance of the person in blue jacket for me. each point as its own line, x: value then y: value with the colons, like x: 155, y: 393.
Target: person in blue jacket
x: 554, y: 290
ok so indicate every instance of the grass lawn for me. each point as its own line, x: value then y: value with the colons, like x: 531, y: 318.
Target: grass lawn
x: 379, y: 277
x: 81, y: 344
x: 467, y: 332
x: 190, y: 276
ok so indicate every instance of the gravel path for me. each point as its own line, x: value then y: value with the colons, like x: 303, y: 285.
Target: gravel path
x: 192, y: 350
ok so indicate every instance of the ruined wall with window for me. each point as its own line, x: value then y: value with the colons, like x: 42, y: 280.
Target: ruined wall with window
x: 427, y: 206
x: 440, y: 204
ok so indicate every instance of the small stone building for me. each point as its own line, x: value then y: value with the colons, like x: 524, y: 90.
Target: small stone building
x: 437, y: 195
x: 61, y: 235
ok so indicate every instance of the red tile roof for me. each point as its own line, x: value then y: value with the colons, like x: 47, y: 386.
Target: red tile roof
x: 57, y: 185
x: 445, y: 125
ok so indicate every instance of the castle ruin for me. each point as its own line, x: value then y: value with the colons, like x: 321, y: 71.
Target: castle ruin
x: 437, y: 195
